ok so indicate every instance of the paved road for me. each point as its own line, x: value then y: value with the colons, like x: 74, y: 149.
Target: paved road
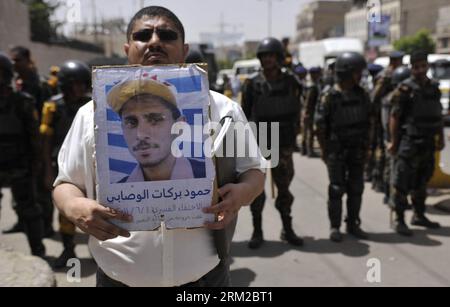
x: 420, y: 261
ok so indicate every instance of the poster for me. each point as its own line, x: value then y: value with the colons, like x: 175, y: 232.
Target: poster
x: 152, y: 161
x: 379, y: 32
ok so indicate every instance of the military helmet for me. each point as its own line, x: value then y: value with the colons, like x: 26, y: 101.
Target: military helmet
x: 271, y: 45
x: 349, y: 62
x: 400, y: 74
x: 73, y: 71
x: 6, y: 68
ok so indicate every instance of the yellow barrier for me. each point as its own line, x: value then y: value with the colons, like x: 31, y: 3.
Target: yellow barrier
x: 440, y: 180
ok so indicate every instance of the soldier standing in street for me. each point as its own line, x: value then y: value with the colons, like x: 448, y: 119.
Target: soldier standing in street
x: 416, y: 127
x: 274, y: 95
x: 312, y: 98
x: 19, y: 153
x: 74, y: 80
x: 27, y: 81
x: 400, y: 74
x: 343, y: 125
x: 383, y: 86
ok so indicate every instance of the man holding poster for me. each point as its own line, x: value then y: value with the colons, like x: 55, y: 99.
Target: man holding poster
x: 153, y: 258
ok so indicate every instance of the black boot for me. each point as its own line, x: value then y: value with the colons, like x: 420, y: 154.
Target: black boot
x: 400, y: 226
x: 257, y: 238
x: 68, y: 252
x: 288, y: 234
x: 336, y: 235
x: 34, y: 231
x: 422, y: 220
x: 356, y: 231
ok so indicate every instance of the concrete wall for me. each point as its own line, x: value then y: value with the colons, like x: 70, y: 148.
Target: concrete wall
x: 15, y: 30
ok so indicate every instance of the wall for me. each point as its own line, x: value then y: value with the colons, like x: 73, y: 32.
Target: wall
x: 15, y: 30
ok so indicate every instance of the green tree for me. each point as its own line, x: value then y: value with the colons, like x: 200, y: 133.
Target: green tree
x: 42, y: 29
x: 422, y: 40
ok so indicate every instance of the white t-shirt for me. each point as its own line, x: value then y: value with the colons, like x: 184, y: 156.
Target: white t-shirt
x: 152, y: 258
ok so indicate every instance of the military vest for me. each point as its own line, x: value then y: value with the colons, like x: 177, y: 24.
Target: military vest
x: 424, y: 113
x: 349, y: 116
x: 276, y: 101
x: 62, y: 120
x: 13, y: 138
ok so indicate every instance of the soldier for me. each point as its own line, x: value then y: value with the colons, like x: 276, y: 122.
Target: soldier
x: 27, y: 81
x: 400, y: 74
x: 274, y: 95
x: 301, y: 73
x: 312, y: 98
x: 329, y: 78
x: 416, y: 128
x: 383, y: 86
x: 50, y: 85
x: 74, y: 80
x: 374, y: 71
x: 288, y: 58
x: 19, y: 153
x: 343, y: 124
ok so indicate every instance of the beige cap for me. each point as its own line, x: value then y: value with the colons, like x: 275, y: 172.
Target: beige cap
x: 126, y: 90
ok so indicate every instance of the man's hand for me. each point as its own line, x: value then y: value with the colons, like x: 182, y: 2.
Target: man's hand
x: 93, y: 219
x: 233, y: 196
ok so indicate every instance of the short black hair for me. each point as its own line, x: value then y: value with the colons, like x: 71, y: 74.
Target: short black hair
x: 155, y: 11
x: 418, y: 56
x: 22, y: 51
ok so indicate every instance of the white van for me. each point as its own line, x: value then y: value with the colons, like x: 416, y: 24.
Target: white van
x: 319, y: 53
x: 244, y: 69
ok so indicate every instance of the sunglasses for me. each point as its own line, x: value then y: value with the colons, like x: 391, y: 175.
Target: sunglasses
x: 146, y: 35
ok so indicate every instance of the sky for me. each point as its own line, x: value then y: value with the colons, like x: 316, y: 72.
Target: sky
x: 247, y: 16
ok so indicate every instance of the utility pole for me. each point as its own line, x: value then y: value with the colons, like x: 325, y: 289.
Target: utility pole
x: 94, y: 20
x: 269, y: 23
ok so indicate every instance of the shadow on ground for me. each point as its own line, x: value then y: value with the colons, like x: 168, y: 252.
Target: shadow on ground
x: 242, y: 277
x: 271, y: 249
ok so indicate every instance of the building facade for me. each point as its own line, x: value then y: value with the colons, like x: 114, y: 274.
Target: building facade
x: 443, y: 30
x: 407, y: 17
x: 321, y: 19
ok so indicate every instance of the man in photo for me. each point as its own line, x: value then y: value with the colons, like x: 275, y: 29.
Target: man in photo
x: 149, y: 109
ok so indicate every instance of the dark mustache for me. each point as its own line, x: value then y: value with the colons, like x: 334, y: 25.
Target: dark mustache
x: 143, y: 145
x: 157, y: 49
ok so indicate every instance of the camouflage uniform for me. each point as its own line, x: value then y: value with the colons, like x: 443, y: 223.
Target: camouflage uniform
x: 342, y: 121
x: 420, y: 115
x: 276, y: 101
x: 19, y: 153
x: 378, y: 162
x: 312, y: 99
